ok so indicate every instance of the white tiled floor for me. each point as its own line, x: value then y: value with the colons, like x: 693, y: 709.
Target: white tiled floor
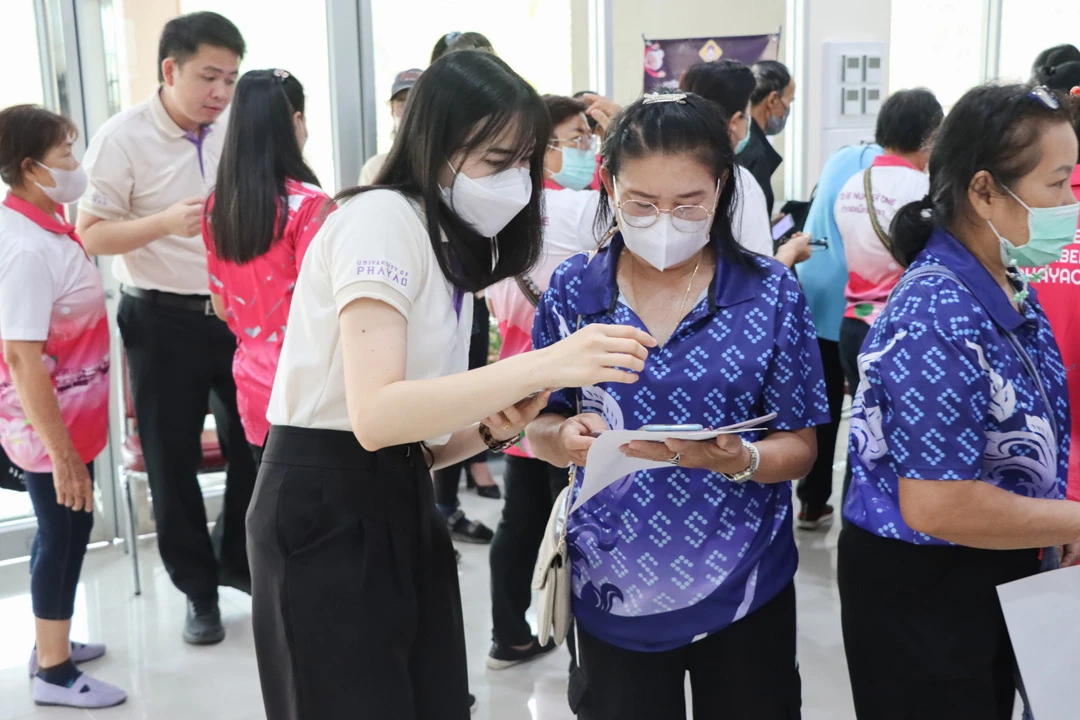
x: 169, y: 680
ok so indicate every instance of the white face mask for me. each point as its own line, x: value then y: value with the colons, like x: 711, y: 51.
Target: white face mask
x: 662, y: 245
x: 70, y: 184
x: 489, y: 203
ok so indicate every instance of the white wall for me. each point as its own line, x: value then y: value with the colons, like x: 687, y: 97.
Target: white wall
x: 831, y: 21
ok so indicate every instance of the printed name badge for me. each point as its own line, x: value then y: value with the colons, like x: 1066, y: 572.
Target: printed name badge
x: 383, y: 269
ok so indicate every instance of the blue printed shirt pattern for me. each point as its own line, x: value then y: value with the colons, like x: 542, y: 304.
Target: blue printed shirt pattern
x: 665, y: 557
x: 945, y: 396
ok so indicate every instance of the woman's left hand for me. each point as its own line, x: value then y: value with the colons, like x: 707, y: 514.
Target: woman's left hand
x: 512, y: 421
x: 725, y: 454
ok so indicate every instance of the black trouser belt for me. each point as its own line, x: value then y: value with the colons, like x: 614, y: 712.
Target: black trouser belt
x: 192, y: 303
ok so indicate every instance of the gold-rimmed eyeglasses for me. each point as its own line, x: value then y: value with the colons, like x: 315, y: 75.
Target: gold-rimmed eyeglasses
x: 684, y: 218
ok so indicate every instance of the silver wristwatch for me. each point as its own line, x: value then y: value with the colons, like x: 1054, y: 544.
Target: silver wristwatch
x: 748, y: 474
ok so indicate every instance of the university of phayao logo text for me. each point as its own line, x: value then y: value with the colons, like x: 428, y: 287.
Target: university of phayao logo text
x: 383, y: 269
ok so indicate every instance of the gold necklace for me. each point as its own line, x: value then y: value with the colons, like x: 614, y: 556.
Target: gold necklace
x: 687, y: 295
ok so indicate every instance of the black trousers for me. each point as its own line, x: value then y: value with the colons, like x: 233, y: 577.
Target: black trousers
x: 448, y: 479
x: 747, y: 671
x: 923, y: 629
x: 180, y: 364
x: 531, y: 489
x: 852, y: 336
x: 355, y: 601
x: 816, y: 488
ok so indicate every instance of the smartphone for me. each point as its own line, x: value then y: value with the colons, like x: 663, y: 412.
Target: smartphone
x: 672, y: 428
x: 783, y: 229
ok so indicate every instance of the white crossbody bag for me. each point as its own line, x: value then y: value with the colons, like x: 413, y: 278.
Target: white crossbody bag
x: 551, y: 577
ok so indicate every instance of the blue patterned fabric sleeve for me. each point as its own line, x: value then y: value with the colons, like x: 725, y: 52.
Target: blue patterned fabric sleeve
x: 927, y: 388
x: 794, y: 385
x: 553, y: 322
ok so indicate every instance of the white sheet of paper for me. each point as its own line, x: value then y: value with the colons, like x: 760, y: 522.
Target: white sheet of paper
x: 606, y: 464
x: 1042, y: 614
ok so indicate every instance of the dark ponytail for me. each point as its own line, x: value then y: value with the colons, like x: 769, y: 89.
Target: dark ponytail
x: 994, y: 128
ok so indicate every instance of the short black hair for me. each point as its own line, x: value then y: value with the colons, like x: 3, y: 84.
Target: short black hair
x: 1049, y: 59
x: 28, y: 132
x: 728, y: 83
x: 908, y: 120
x: 771, y: 77
x: 184, y: 35
x: 562, y: 108
x: 460, y: 41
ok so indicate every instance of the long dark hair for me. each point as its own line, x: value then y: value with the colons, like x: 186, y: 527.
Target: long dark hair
x: 994, y: 128
x: 250, y: 202
x: 694, y: 126
x: 465, y: 99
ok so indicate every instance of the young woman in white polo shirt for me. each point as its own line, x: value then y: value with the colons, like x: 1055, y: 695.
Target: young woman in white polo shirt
x: 357, y: 610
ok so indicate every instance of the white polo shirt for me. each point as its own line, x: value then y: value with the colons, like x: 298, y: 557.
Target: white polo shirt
x: 140, y: 163
x: 750, y: 216
x: 375, y: 245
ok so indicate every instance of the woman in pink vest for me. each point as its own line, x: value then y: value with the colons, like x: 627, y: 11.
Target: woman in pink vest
x: 54, y: 385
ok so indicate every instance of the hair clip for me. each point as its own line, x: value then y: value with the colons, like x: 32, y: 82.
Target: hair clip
x: 1075, y: 90
x: 279, y: 73
x: 665, y: 98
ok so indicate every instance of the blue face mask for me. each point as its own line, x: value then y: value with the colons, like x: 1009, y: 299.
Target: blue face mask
x: 741, y: 145
x: 578, y: 168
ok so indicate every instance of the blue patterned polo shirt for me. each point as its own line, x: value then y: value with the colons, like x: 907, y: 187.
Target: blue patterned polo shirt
x: 944, y: 395
x: 666, y: 557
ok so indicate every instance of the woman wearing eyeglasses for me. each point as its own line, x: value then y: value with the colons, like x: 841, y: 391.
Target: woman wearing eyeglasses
x: 688, y: 568
x: 959, y: 433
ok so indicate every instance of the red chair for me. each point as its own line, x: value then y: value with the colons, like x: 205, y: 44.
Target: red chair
x: 133, y: 465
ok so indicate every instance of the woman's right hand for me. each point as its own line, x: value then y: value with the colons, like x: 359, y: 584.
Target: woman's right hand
x: 795, y: 250
x: 594, y: 355
x: 74, y: 489
x: 577, y: 434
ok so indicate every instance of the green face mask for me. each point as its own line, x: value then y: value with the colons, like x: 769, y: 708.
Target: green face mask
x: 1050, y: 230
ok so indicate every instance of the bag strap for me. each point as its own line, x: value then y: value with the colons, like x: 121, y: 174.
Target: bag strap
x: 572, y: 471
x: 1018, y: 348
x: 869, y: 193
x: 529, y: 289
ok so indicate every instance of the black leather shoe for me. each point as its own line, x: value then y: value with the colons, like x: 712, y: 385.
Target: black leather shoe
x: 203, y: 624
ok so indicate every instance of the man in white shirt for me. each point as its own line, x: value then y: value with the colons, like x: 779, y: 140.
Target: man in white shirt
x: 151, y: 167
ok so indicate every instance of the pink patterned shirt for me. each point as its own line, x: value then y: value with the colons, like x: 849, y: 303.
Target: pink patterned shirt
x: 51, y: 292
x: 257, y: 296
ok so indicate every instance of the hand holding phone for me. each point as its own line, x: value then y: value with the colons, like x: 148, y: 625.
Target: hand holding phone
x: 672, y: 428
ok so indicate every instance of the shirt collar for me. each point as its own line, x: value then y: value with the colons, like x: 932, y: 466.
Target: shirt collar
x: 953, y: 255
x: 772, y: 155
x: 599, y: 291
x: 893, y: 161
x: 47, y: 222
x: 167, y: 126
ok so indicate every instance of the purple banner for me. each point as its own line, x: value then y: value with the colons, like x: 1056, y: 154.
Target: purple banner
x: 667, y: 60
